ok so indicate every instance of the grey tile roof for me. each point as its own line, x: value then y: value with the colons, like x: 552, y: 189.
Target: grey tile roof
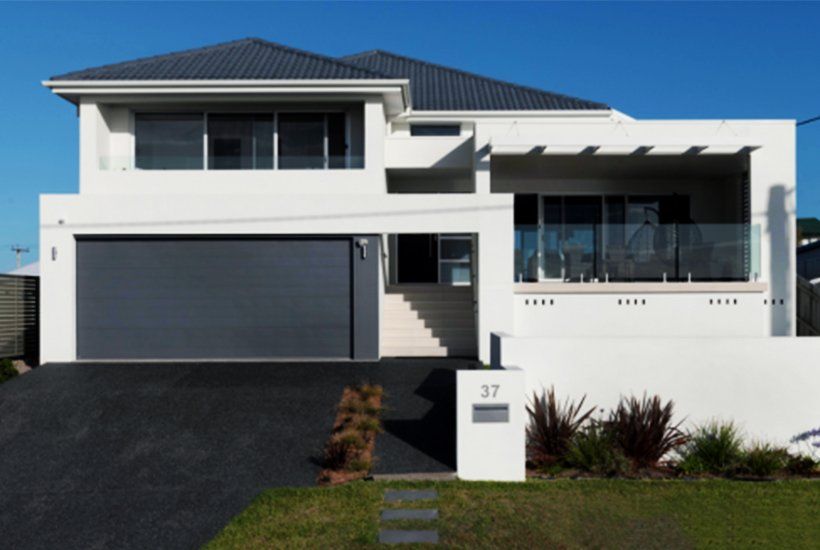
x: 246, y: 59
x: 433, y: 87
x: 438, y: 88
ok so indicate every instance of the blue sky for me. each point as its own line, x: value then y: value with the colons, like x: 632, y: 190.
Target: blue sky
x: 664, y: 60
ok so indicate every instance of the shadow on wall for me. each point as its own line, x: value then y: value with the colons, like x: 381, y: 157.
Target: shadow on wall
x: 781, y: 241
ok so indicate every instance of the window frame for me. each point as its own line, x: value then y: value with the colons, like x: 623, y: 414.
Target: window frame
x: 348, y: 164
x: 443, y: 125
x: 468, y: 262
x: 602, y: 237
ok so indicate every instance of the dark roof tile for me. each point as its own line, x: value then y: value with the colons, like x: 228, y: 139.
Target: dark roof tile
x: 438, y: 88
x: 247, y: 59
x: 433, y: 87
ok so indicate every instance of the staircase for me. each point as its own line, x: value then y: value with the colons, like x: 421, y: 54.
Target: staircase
x: 428, y: 321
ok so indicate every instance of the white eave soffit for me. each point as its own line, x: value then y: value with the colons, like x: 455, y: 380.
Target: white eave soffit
x: 396, y: 92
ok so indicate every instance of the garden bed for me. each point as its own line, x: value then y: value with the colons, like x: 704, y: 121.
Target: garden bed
x: 349, y: 452
x: 639, y: 439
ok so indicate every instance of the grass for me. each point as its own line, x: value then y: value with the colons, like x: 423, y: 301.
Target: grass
x: 543, y: 514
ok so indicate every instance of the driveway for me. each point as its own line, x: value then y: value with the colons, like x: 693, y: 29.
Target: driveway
x: 164, y: 455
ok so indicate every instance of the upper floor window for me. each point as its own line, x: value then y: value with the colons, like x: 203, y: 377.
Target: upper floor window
x: 248, y: 141
x: 435, y: 130
x: 169, y: 141
x: 240, y: 141
x: 312, y: 140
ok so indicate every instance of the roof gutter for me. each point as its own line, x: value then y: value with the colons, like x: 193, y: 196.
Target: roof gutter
x: 396, y: 92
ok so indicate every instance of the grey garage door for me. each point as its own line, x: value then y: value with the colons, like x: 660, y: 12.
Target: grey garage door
x: 201, y: 298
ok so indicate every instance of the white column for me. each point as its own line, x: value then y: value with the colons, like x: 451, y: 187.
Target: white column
x: 772, y: 185
x: 495, y: 274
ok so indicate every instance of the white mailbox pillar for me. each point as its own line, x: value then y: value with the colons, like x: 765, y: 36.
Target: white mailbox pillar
x: 491, y: 423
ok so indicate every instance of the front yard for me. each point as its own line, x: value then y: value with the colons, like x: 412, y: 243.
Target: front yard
x: 544, y: 514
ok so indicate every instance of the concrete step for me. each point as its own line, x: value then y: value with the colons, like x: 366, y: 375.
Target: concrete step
x: 418, y: 351
x: 401, y: 322
x: 427, y: 306
x: 428, y: 288
x: 428, y: 298
x: 447, y: 342
x: 392, y: 331
x: 436, y: 315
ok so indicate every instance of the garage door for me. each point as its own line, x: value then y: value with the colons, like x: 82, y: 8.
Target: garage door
x: 215, y: 298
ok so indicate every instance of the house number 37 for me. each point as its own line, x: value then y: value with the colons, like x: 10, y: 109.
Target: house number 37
x: 489, y: 390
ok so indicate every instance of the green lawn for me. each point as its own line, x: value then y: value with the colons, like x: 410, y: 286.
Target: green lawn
x: 545, y: 514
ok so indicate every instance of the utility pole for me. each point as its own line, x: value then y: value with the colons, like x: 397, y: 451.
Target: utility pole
x: 19, y: 251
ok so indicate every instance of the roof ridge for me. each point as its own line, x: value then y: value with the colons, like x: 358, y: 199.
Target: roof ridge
x: 314, y: 55
x: 222, y: 45
x: 471, y: 74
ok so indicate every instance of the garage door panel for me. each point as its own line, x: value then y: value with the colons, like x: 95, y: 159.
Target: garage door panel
x: 213, y: 312
x: 116, y: 283
x: 205, y: 253
x: 223, y: 344
x: 214, y: 298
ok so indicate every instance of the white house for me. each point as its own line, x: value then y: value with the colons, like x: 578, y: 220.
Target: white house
x: 249, y: 200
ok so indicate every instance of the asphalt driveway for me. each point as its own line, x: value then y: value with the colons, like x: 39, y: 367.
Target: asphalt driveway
x: 162, y: 456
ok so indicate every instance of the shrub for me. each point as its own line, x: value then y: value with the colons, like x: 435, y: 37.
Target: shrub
x: 336, y: 454
x: 7, y: 370
x: 763, y: 460
x: 801, y: 465
x: 360, y: 465
x: 810, y: 442
x: 644, y: 431
x: 368, y: 391
x: 369, y: 425
x: 353, y: 440
x: 552, y: 427
x: 357, y: 406
x: 714, y: 447
x: 593, y: 450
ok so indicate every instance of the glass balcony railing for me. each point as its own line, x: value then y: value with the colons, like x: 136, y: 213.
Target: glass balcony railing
x: 637, y: 252
x: 198, y: 162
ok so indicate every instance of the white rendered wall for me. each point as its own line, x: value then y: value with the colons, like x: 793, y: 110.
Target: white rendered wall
x: 648, y: 314
x: 768, y: 386
x: 490, y: 451
x: 62, y: 217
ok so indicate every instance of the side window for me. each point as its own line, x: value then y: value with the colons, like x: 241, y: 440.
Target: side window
x: 435, y: 130
x: 169, y: 141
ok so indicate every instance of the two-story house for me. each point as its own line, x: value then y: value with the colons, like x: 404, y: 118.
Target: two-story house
x: 252, y: 201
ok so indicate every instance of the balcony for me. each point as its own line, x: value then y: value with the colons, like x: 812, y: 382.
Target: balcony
x: 625, y: 254
x: 414, y: 152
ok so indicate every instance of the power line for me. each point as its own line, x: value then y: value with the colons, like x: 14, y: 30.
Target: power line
x: 808, y: 120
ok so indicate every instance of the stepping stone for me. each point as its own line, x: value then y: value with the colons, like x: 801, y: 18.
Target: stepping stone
x: 410, y: 495
x: 391, y: 536
x: 427, y: 514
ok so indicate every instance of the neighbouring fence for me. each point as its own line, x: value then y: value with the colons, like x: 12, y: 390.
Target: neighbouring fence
x: 768, y: 386
x: 808, y: 308
x: 19, y: 317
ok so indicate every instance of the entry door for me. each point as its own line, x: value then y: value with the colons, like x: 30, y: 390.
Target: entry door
x: 417, y: 258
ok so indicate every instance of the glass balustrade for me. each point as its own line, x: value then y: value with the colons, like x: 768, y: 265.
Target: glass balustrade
x: 645, y: 252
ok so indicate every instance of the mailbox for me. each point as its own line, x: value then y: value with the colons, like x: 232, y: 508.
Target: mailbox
x: 495, y: 412
x: 491, y: 411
